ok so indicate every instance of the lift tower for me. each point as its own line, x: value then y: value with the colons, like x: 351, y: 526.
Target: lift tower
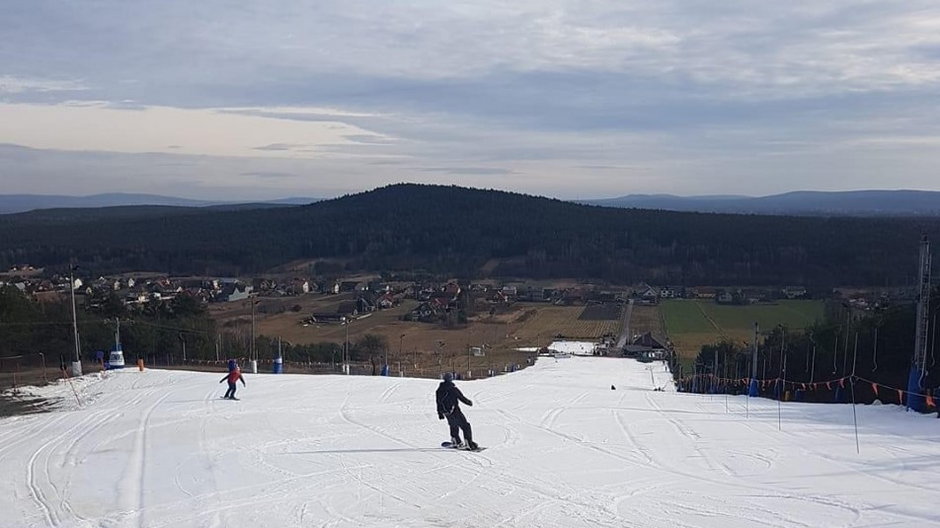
x: 915, y: 398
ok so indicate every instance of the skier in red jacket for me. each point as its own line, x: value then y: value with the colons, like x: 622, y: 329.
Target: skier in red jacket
x: 233, y: 377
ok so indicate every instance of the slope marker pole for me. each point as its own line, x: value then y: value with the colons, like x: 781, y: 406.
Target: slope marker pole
x: 852, y: 381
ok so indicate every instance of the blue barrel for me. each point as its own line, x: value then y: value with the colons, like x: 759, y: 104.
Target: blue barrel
x: 278, y: 365
x: 752, y: 389
x: 384, y: 371
x: 232, y: 365
x: 915, y: 399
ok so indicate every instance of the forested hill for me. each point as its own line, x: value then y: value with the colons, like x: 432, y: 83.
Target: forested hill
x: 456, y: 230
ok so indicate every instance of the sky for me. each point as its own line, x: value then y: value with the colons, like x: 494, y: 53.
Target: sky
x: 574, y: 99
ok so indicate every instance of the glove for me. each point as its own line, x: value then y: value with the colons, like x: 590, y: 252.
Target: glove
x: 440, y: 416
x: 469, y: 403
x: 220, y: 381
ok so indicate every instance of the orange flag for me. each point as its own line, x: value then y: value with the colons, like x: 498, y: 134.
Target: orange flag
x: 900, y: 396
x: 874, y: 387
x: 930, y: 402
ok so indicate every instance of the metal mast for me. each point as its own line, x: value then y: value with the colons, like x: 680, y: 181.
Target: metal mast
x: 752, y: 389
x: 919, y: 363
x: 77, y: 363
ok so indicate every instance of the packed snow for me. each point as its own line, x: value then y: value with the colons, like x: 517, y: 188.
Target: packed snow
x: 161, y: 449
x: 578, y: 348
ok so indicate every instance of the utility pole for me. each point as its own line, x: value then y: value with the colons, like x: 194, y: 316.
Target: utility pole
x: 401, y: 340
x: 77, y: 363
x: 440, y: 357
x: 916, y: 400
x: 812, y: 369
x: 251, y: 352
x: 346, y: 347
x: 752, y: 388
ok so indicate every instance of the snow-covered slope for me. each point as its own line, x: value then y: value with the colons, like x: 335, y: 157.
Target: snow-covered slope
x: 160, y: 449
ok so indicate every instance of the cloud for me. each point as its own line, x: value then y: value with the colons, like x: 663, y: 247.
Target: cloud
x: 370, y: 139
x: 18, y: 85
x: 488, y: 171
x: 570, y: 94
x: 99, y: 126
x: 278, y: 147
x: 269, y: 175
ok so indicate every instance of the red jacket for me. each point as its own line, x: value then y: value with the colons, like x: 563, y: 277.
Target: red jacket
x: 234, y: 376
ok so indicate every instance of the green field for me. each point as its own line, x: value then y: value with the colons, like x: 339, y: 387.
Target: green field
x: 693, y: 323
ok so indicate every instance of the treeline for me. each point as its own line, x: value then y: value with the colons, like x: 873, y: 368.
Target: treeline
x: 161, y: 332
x: 455, y: 231
x: 29, y: 327
x: 877, y: 346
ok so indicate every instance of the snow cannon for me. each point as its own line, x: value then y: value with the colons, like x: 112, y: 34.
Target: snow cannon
x: 116, y: 359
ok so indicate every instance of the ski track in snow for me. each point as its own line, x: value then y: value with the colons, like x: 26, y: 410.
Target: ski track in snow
x: 159, y: 449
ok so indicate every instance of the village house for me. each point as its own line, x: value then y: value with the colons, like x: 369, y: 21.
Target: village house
x: 794, y: 292
x: 345, y: 311
x: 426, y: 312
x: 233, y: 292
x: 386, y: 301
x: 646, y: 348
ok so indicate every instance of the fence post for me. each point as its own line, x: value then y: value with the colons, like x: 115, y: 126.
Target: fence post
x: 42, y: 359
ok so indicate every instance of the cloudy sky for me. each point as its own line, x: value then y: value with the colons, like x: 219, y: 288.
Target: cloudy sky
x: 567, y: 98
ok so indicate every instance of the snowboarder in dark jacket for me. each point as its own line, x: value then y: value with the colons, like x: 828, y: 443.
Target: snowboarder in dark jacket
x: 448, y: 406
x: 233, y: 377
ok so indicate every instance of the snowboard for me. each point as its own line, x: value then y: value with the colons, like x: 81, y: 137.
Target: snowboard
x: 449, y: 445
x: 232, y: 398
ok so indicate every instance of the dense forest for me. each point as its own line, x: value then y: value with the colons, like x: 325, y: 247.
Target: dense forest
x: 453, y: 230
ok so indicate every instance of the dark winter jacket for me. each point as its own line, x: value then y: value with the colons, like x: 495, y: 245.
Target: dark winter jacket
x: 448, y: 397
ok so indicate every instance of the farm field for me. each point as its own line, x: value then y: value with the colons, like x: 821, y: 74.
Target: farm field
x: 419, y: 345
x: 693, y: 323
x: 647, y: 319
x: 548, y: 321
x: 601, y: 312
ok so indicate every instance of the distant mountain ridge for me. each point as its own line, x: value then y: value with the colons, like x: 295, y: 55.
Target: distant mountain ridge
x: 18, y: 203
x: 804, y: 203
x: 425, y: 230
x: 798, y: 203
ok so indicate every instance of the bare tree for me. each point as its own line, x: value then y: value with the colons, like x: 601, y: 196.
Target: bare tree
x: 372, y: 345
